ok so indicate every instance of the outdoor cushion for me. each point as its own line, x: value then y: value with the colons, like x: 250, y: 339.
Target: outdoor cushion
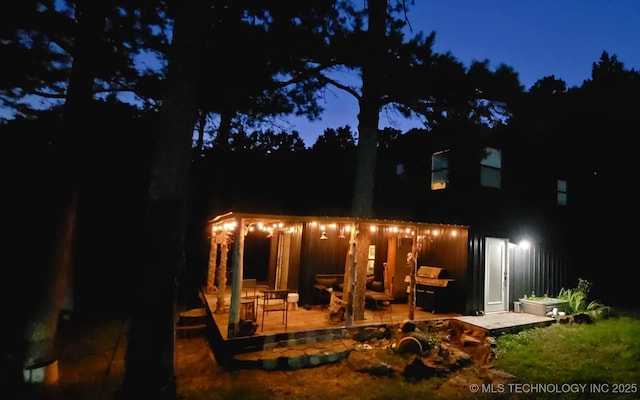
x: 377, y: 286
x: 327, y: 282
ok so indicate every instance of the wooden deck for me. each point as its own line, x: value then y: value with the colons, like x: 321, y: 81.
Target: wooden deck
x: 314, y: 318
x: 308, y: 326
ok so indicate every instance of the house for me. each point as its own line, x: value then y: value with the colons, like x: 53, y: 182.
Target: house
x: 524, y: 223
x: 287, y: 251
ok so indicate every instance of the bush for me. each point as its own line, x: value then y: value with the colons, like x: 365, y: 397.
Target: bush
x: 578, y: 297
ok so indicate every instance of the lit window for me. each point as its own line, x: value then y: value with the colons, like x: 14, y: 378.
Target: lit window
x: 490, y: 168
x: 562, y: 192
x: 440, y: 170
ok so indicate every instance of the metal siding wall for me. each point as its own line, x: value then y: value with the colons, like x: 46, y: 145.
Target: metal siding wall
x: 449, y: 252
x: 475, y: 275
x: 540, y: 270
x: 307, y: 266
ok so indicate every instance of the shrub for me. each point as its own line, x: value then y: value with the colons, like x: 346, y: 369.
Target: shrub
x: 578, y: 297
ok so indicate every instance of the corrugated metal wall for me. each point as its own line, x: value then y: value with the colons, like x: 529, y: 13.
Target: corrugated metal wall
x: 448, y: 252
x: 539, y: 269
x: 475, y: 275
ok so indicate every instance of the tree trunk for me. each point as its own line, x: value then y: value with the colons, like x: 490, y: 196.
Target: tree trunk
x: 149, y: 369
x: 224, y: 130
x: 410, y: 270
x: 350, y: 276
x: 202, y: 123
x: 370, y: 103
x: 368, y: 119
x: 236, y: 280
x: 211, y: 268
x: 362, y: 256
x: 41, y: 329
x: 222, y: 276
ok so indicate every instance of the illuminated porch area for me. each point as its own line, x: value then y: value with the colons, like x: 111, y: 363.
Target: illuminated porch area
x: 312, y: 318
x: 299, y: 253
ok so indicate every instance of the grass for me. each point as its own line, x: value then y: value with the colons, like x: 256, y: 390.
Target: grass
x: 605, y: 352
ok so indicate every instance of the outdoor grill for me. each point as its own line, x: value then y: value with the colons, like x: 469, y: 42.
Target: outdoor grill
x: 433, y: 290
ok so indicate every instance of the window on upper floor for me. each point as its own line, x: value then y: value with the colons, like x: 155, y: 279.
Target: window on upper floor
x: 561, y: 193
x: 491, y: 168
x: 440, y: 170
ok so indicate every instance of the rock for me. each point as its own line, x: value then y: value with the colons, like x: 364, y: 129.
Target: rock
x: 467, y: 340
x: 408, y: 326
x: 417, y: 370
x: 490, y: 341
x: 457, y: 358
x: 246, y: 327
x: 370, y: 333
x: 582, y: 318
x: 366, y: 361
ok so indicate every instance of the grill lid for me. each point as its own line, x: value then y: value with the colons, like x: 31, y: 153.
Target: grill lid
x: 430, y: 276
x: 429, y: 272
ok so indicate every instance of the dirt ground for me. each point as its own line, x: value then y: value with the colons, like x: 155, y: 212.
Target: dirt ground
x: 91, y: 367
x: 199, y: 375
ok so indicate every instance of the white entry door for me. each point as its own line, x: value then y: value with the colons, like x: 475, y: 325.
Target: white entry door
x: 496, y: 277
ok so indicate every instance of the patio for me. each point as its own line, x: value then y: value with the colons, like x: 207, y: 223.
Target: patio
x: 310, y: 339
x: 314, y: 318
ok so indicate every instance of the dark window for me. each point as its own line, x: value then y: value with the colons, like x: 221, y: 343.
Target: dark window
x: 562, y: 192
x: 490, y: 168
x: 440, y: 170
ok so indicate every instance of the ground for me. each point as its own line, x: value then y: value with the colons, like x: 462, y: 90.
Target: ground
x: 92, y: 365
x: 198, y: 372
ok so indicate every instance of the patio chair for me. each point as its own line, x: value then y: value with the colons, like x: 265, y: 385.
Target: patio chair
x: 381, y: 308
x: 274, y: 300
x: 248, y: 300
x: 380, y: 304
x: 249, y: 287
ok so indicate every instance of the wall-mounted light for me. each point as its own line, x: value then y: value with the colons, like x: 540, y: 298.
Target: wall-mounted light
x: 324, y: 236
x: 524, y: 244
x: 341, y: 235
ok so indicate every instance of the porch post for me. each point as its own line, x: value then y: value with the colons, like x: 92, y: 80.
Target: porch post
x: 211, y: 270
x: 412, y: 266
x: 236, y: 280
x: 222, y: 273
x: 350, y: 278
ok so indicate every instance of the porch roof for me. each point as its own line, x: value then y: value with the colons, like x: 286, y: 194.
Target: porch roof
x: 257, y: 218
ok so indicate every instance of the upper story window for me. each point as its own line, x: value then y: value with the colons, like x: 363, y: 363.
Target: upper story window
x: 440, y: 170
x: 490, y: 168
x: 561, y: 193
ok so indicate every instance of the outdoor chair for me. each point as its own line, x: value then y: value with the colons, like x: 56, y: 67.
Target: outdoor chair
x: 249, y: 287
x: 248, y: 299
x: 381, y: 308
x: 275, y: 300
